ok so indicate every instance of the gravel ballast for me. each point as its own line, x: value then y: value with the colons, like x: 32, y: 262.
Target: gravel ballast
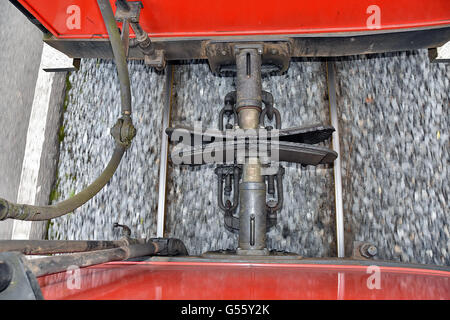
x: 393, y: 113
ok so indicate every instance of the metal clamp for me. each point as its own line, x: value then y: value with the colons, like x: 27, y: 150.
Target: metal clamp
x: 229, y: 110
x: 266, y: 112
x: 123, y: 131
x: 227, y: 174
x: 274, y: 206
x: 126, y: 231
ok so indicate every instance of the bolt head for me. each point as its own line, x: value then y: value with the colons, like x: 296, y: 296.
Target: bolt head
x: 372, y: 250
x: 368, y: 250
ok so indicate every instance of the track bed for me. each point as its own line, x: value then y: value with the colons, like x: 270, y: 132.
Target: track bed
x: 394, y: 150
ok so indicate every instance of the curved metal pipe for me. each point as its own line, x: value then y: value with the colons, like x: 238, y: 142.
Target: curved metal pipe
x: 9, y: 210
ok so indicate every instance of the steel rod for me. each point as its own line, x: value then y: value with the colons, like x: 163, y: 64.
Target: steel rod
x: 252, y: 189
x: 40, y: 247
x: 55, y: 264
x: 164, y: 153
x: 331, y: 79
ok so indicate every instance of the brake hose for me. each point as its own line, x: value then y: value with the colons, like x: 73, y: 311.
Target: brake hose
x: 123, y: 132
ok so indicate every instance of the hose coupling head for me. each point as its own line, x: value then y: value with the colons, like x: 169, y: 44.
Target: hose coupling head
x: 123, y: 131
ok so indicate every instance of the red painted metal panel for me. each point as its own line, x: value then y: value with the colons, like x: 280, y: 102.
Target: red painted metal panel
x: 193, y: 18
x: 203, y: 280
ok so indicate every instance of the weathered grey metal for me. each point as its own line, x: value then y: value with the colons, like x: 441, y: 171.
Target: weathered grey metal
x: 226, y: 173
x: 252, y: 190
x: 252, y: 217
x: 83, y: 253
x: 123, y: 131
x: 248, y: 85
x: 305, y: 154
x: 249, y: 117
x: 364, y: 250
x: 6, y: 275
x: 278, y: 204
x: 275, y: 53
x: 17, y: 282
x: 311, y: 134
x: 122, y: 5
x: 41, y: 247
x: 126, y: 231
x: 118, y: 54
x: 55, y: 264
x: 325, y: 45
x: 128, y: 13
x: 234, y: 142
x: 169, y: 247
x: 266, y: 112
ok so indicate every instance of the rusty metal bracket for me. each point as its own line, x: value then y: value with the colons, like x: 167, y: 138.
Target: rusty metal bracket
x: 127, y: 13
x: 275, y: 55
x: 157, y: 60
x: 128, y: 10
x: 364, y: 250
